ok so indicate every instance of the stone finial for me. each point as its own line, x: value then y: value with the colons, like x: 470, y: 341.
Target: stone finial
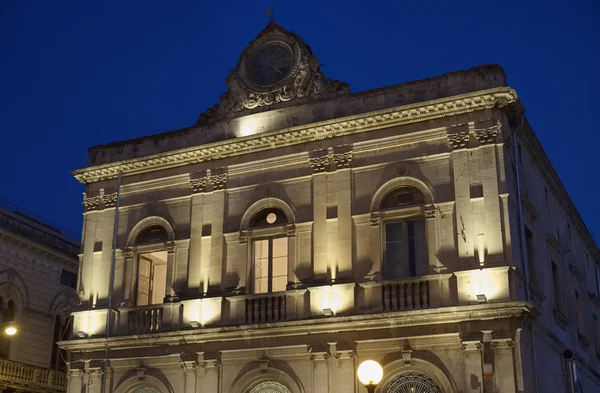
x: 460, y: 140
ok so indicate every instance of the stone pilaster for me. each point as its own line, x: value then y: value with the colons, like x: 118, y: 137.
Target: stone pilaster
x: 504, y: 367
x: 320, y: 235
x: 94, y: 380
x: 375, y: 246
x: 320, y: 365
x: 74, y: 380
x: 208, y: 374
x: 189, y: 368
x: 196, y: 225
x: 217, y: 243
x: 171, y: 260
x: 473, y: 363
x: 344, y: 366
x: 343, y: 176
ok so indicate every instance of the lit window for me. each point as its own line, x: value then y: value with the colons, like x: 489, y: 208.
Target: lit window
x: 270, y: 264
x: 152, y: 278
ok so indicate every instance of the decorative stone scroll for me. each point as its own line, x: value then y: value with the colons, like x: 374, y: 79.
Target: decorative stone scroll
x: 343, y: 160
x: 218, y: 181
x: 502, y: 344
x: 459, y: 140
x: 170, y: 247
x: 189, y: 365
x: 471, y: 346
x: 345, y: 354
x: 486, y: 136
x: 210, y: 364
x: 290, y: 231
x: 319, y: 164
x: 199, y: 184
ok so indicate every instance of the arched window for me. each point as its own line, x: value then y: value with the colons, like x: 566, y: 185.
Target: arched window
x: 269, y: 387
x: 8, y: 315
x: 413, y: 382
x: 152, y: 266
x: 269, y: 251
x: 405, y: 245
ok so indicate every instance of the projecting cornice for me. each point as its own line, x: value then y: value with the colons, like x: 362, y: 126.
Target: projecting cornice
x: 414, y: 113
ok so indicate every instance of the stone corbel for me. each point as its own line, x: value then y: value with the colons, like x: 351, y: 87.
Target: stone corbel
x: 459, y: 140
x: 128, y: 253
x: 345, y: 354
x: 318, y: 354
x: 170, y: 247
x: 319, y: 164
x: 343, y: 160
x: 290, y: 230
x: 141, y: 372
x: 429, y: 211
x: 406, y: 356
x: 375, y: 219
x: 243, y: 238
x: 264, y: 365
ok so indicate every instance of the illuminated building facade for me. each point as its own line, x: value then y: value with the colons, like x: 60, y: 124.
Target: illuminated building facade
x: 38, y: 276
x: 298, y: 229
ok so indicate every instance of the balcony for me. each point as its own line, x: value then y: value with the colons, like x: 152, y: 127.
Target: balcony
x: 418, y: 293
x: 23, y: 377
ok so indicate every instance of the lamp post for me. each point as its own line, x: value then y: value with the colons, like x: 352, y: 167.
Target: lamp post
x: 370, y: 374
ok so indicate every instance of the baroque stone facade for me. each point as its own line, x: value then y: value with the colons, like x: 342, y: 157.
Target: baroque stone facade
x: 38, y: 275
x: 303, y: 229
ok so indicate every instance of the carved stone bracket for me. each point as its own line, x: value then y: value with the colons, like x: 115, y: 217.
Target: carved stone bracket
x: 243, y: 238
x: 486, y: 136
x: 429, y: 212
x: 290, y: 231
x: 459, y: 140
x: 319, y: 164
x: 502, y: 344
x: 218, y: 181
x: 199, y: 184
x: 264, y: 365
x: 316, y: 356
x: 471, y: 346
x: 343, y: 160
x: 189, y: 365
x: 406, y: 356
x: 375, y: 220
x: 141, y: 372
x: 128, y: 253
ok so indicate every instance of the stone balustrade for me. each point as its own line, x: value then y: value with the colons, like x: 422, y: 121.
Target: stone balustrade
x: 36, y: 378
x: 407, y: 294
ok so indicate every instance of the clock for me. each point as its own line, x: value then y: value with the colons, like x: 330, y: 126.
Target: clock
x: 271, y: 64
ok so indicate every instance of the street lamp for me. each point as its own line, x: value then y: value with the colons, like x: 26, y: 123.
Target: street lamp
x: 370, y: 374
x: 10, y: 328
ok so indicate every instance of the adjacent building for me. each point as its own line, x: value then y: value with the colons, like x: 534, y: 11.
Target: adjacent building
x: 38, y: 277
x: 298, y: 229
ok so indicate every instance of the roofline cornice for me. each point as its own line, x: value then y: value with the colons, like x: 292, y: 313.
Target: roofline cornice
x: 390, y: 117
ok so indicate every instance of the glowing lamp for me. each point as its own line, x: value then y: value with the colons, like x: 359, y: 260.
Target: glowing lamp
x: 10, y: 329
x: 370, y: 374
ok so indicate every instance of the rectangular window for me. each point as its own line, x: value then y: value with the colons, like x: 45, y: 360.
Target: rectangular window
x: 68, y: 278
x: 556, y: 286
x: 530, y: 244
x: 270, y: 262
x: 405, y: 249
x: 152, y: 278
x: 579, y: 310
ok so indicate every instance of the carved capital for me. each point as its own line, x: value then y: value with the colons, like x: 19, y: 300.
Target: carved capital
x: 170, y: 247
x: 199, y: 184
x: 243, y: 238
x: 345, y: 355
x: 486, y: 136
x: 406, y: 356
x: 459, y: 140
x: 95, y: 372
x: 502, y: 344
x: 471, y: 346
x: 109, y: 200
x: 128, y: 253
x: 92, y: 203
x: 343, y: 160
x: 319, y: 164
x: 429, y: 212
x: 74, y: 373
x: 219, y: 181
x: 211, y: 364
x: 375, y: 220
x: 189, y: 365
x: 290, y: 231
x: 316, y: 356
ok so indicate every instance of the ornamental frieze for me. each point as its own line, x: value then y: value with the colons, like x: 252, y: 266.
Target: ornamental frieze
x: 218, y: 181
x: 343, y: 160
x: 319, y: 164
x: 498, y: 97
x: 486, y: 136
x: 199, y: 185
x: 459, y: 140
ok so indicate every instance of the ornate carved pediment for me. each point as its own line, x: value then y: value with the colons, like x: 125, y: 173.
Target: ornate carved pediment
x: 297, y: 75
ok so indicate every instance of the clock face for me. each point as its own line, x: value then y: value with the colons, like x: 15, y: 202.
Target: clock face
x: 271, y: 64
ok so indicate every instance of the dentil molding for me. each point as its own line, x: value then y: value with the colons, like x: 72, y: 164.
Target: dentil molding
x: 407, y: 114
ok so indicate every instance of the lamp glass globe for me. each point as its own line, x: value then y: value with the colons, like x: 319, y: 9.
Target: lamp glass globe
x: 370, y: 372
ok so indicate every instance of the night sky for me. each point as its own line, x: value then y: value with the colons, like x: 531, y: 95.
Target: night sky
x: 74, y: 74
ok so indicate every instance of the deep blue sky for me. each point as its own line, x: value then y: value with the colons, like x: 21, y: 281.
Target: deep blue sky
x: 74, y: 74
